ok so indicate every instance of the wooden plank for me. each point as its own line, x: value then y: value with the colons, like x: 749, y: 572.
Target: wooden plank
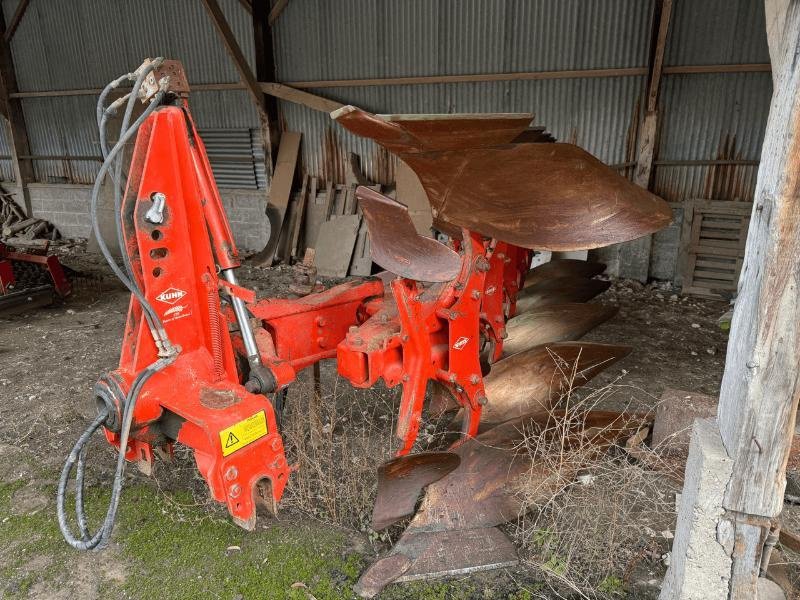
x: 361, y: 264
x: 276, y: 11
x: 291, y: 223
x: 531, y: 75
x: 634, y: 261
x: 411, y: 193
x: 17, y: 129
x: 301, y: 209
x: 315, y: 217
x: 16, y: 19
x: 330, y: 199
x: 285, y: 92
x: 335, y: 245
x: 658, y: 54
x: 280, y: 193
x: 236, y: 54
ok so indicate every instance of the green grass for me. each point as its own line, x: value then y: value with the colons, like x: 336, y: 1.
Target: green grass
x: 172, y: 549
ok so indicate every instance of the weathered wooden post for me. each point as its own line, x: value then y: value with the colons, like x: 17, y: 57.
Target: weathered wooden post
x: 735, y: 475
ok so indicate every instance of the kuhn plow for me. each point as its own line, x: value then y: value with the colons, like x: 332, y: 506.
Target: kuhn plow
x: 206, y: 364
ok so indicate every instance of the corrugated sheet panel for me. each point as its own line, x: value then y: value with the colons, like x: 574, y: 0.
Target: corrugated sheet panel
x: 83, y: 44
x: 712, y: 117
x: 709, y: 32
x: 353, y: 39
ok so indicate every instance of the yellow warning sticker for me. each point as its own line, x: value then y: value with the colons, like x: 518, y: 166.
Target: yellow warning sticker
x: 238, y: 435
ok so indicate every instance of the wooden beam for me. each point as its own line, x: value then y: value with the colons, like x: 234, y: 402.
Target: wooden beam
x: 657, y: 61
x: 235, y: 52
x: 16, y: 19
x: 634, y: 257
x: 18, y: 132
x: 284, y: 92
x: 775, y: 13
x: 265, y: 71
x: 245, y: 74
x: 276, y: 11
x: 760, y: 387
x: 531, y: 75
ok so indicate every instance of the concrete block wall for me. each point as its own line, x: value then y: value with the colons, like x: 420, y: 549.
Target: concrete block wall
x: 67, y: 207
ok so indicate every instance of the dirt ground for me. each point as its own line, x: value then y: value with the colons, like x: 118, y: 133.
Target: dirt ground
x: 172, y: 542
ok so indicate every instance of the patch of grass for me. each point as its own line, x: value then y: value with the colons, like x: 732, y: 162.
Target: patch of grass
x: 611, y: 584
x: 23, y: 540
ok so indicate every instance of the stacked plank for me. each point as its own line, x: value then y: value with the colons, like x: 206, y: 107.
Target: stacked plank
x: 323, y: 217
x: 16, y: 229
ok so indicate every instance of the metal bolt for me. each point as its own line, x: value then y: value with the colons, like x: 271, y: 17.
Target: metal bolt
x: 481, y: 264
x: 155, y: 213
x: 482, y: 400
x: 404, y: 338
x: 320, y: 321
x: 453, y: 315
x: 276, y: 444
x: 452, y: 378
x: 235, y: 491
x: 475, y: 294
x: 232, y: 473
x: 406, y: 377
x: 474, y: 379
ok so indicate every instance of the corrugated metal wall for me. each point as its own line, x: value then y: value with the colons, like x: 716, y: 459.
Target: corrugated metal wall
x: 704, y: 116
x: 83, y: 44
x: 713, y: 116
x: 318, y: 40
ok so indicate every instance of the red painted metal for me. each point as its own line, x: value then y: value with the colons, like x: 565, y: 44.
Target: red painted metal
x: 406, y: 333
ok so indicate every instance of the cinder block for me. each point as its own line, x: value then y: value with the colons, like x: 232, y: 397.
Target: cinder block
x: 700, y: 567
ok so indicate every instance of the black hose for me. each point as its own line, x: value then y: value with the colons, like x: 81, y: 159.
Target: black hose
x: 77, y: 457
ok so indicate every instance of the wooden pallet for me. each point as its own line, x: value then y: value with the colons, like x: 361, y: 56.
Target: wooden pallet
x: 713, y: 237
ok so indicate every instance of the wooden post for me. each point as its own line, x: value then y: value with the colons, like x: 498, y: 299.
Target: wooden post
x: 761, y: 386
x: 246, y: 74
x: 265, y: 66
x: 634, y: 257
x: 18, y: 133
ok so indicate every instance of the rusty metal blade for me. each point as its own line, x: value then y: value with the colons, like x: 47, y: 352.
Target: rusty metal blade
x: 531, y: 381
x: 401, y: 480
x: 454, y: 530
x: 563, y: 267
x: 555, y: 323
x: 546, y: 196
x: 559, y: 291
x: 396, y: 246
x: 416, y: 133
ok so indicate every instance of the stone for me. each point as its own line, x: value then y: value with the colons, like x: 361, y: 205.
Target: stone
x: 676, y: 411
x: 700, y: 567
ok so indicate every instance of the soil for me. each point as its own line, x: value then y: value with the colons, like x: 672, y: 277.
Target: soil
x: 52, y: 357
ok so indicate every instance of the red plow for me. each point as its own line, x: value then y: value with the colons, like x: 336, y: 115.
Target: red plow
x: 206, y: 364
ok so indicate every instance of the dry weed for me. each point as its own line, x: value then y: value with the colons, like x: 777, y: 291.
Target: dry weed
x: 336, y: 440
x: 598, y: 515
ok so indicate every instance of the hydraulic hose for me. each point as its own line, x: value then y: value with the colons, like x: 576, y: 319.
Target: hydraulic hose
x: 76, y: 461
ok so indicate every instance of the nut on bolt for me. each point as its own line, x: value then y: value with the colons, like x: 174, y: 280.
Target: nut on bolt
x: 235, y: 491
x: 231, y: 473
x: 481, y: 264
